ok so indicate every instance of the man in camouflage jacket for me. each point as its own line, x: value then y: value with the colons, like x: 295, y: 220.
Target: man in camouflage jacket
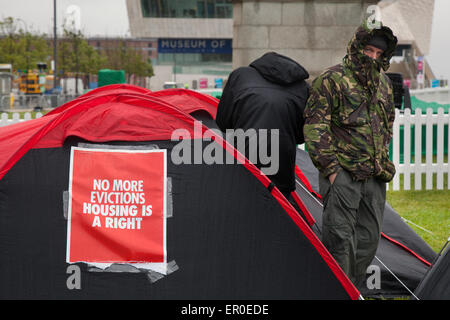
x: 348, y: 128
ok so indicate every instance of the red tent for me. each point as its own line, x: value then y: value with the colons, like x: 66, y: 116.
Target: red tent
x: 232, y: 234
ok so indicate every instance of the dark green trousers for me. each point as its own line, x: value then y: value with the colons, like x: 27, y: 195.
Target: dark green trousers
x: 352, y: 219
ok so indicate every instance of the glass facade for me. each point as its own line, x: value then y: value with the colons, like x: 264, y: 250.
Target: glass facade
x: 192, y: 58
x: 197, y: 63
x: 205, y: 9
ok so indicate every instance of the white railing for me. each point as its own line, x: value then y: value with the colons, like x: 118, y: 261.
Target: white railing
x: 413, y: 165
x: 26, y: 102
x: 4, y: 117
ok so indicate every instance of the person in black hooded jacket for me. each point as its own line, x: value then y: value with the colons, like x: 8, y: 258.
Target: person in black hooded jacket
x: 269, y: 94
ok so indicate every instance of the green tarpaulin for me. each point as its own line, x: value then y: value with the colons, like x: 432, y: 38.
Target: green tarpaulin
x: 107, y: 76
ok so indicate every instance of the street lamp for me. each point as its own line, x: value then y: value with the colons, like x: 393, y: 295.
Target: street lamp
x: 55, y: 69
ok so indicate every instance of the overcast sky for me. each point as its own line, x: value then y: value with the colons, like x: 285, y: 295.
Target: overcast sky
x: 110, y: 18
x: 98, y: 17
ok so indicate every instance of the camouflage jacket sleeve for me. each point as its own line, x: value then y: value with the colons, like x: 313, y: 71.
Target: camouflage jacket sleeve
x: 391, y: 114
x: 317, y: 128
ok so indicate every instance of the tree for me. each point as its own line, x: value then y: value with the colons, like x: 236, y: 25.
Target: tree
x: 137, y: 65
x: 122, y: 57
x: 77, y: 57
x: 24, y: 49
x: 20, y: 47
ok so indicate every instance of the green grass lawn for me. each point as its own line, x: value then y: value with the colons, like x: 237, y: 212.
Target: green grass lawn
x: 429, y: 209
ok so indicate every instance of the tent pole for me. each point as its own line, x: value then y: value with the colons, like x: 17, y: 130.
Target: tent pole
x: 445, y: 245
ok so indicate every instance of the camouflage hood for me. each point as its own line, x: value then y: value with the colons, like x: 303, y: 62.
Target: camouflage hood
x: 366, y: 69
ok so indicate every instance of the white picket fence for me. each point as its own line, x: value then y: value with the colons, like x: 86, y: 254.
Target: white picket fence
x: 4, y: 118
x: 407, y: 168
x: 431, y: 167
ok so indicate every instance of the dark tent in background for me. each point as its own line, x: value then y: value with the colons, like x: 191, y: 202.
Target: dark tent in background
x: 230, y: 235
x: 436, y: 283
x: 403, y: 257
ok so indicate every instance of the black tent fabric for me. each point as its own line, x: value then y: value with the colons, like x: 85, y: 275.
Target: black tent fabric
x: 229, y: 235
x: 403, y: 257
x: 436, y: 283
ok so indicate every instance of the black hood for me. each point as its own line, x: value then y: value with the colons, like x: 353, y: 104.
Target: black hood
x: 279, y: 69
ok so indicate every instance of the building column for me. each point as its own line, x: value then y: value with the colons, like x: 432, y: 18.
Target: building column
x: 314, y: 33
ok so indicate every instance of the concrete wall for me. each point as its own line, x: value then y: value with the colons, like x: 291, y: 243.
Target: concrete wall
x: 162, y: 74
x: 314, y: 33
